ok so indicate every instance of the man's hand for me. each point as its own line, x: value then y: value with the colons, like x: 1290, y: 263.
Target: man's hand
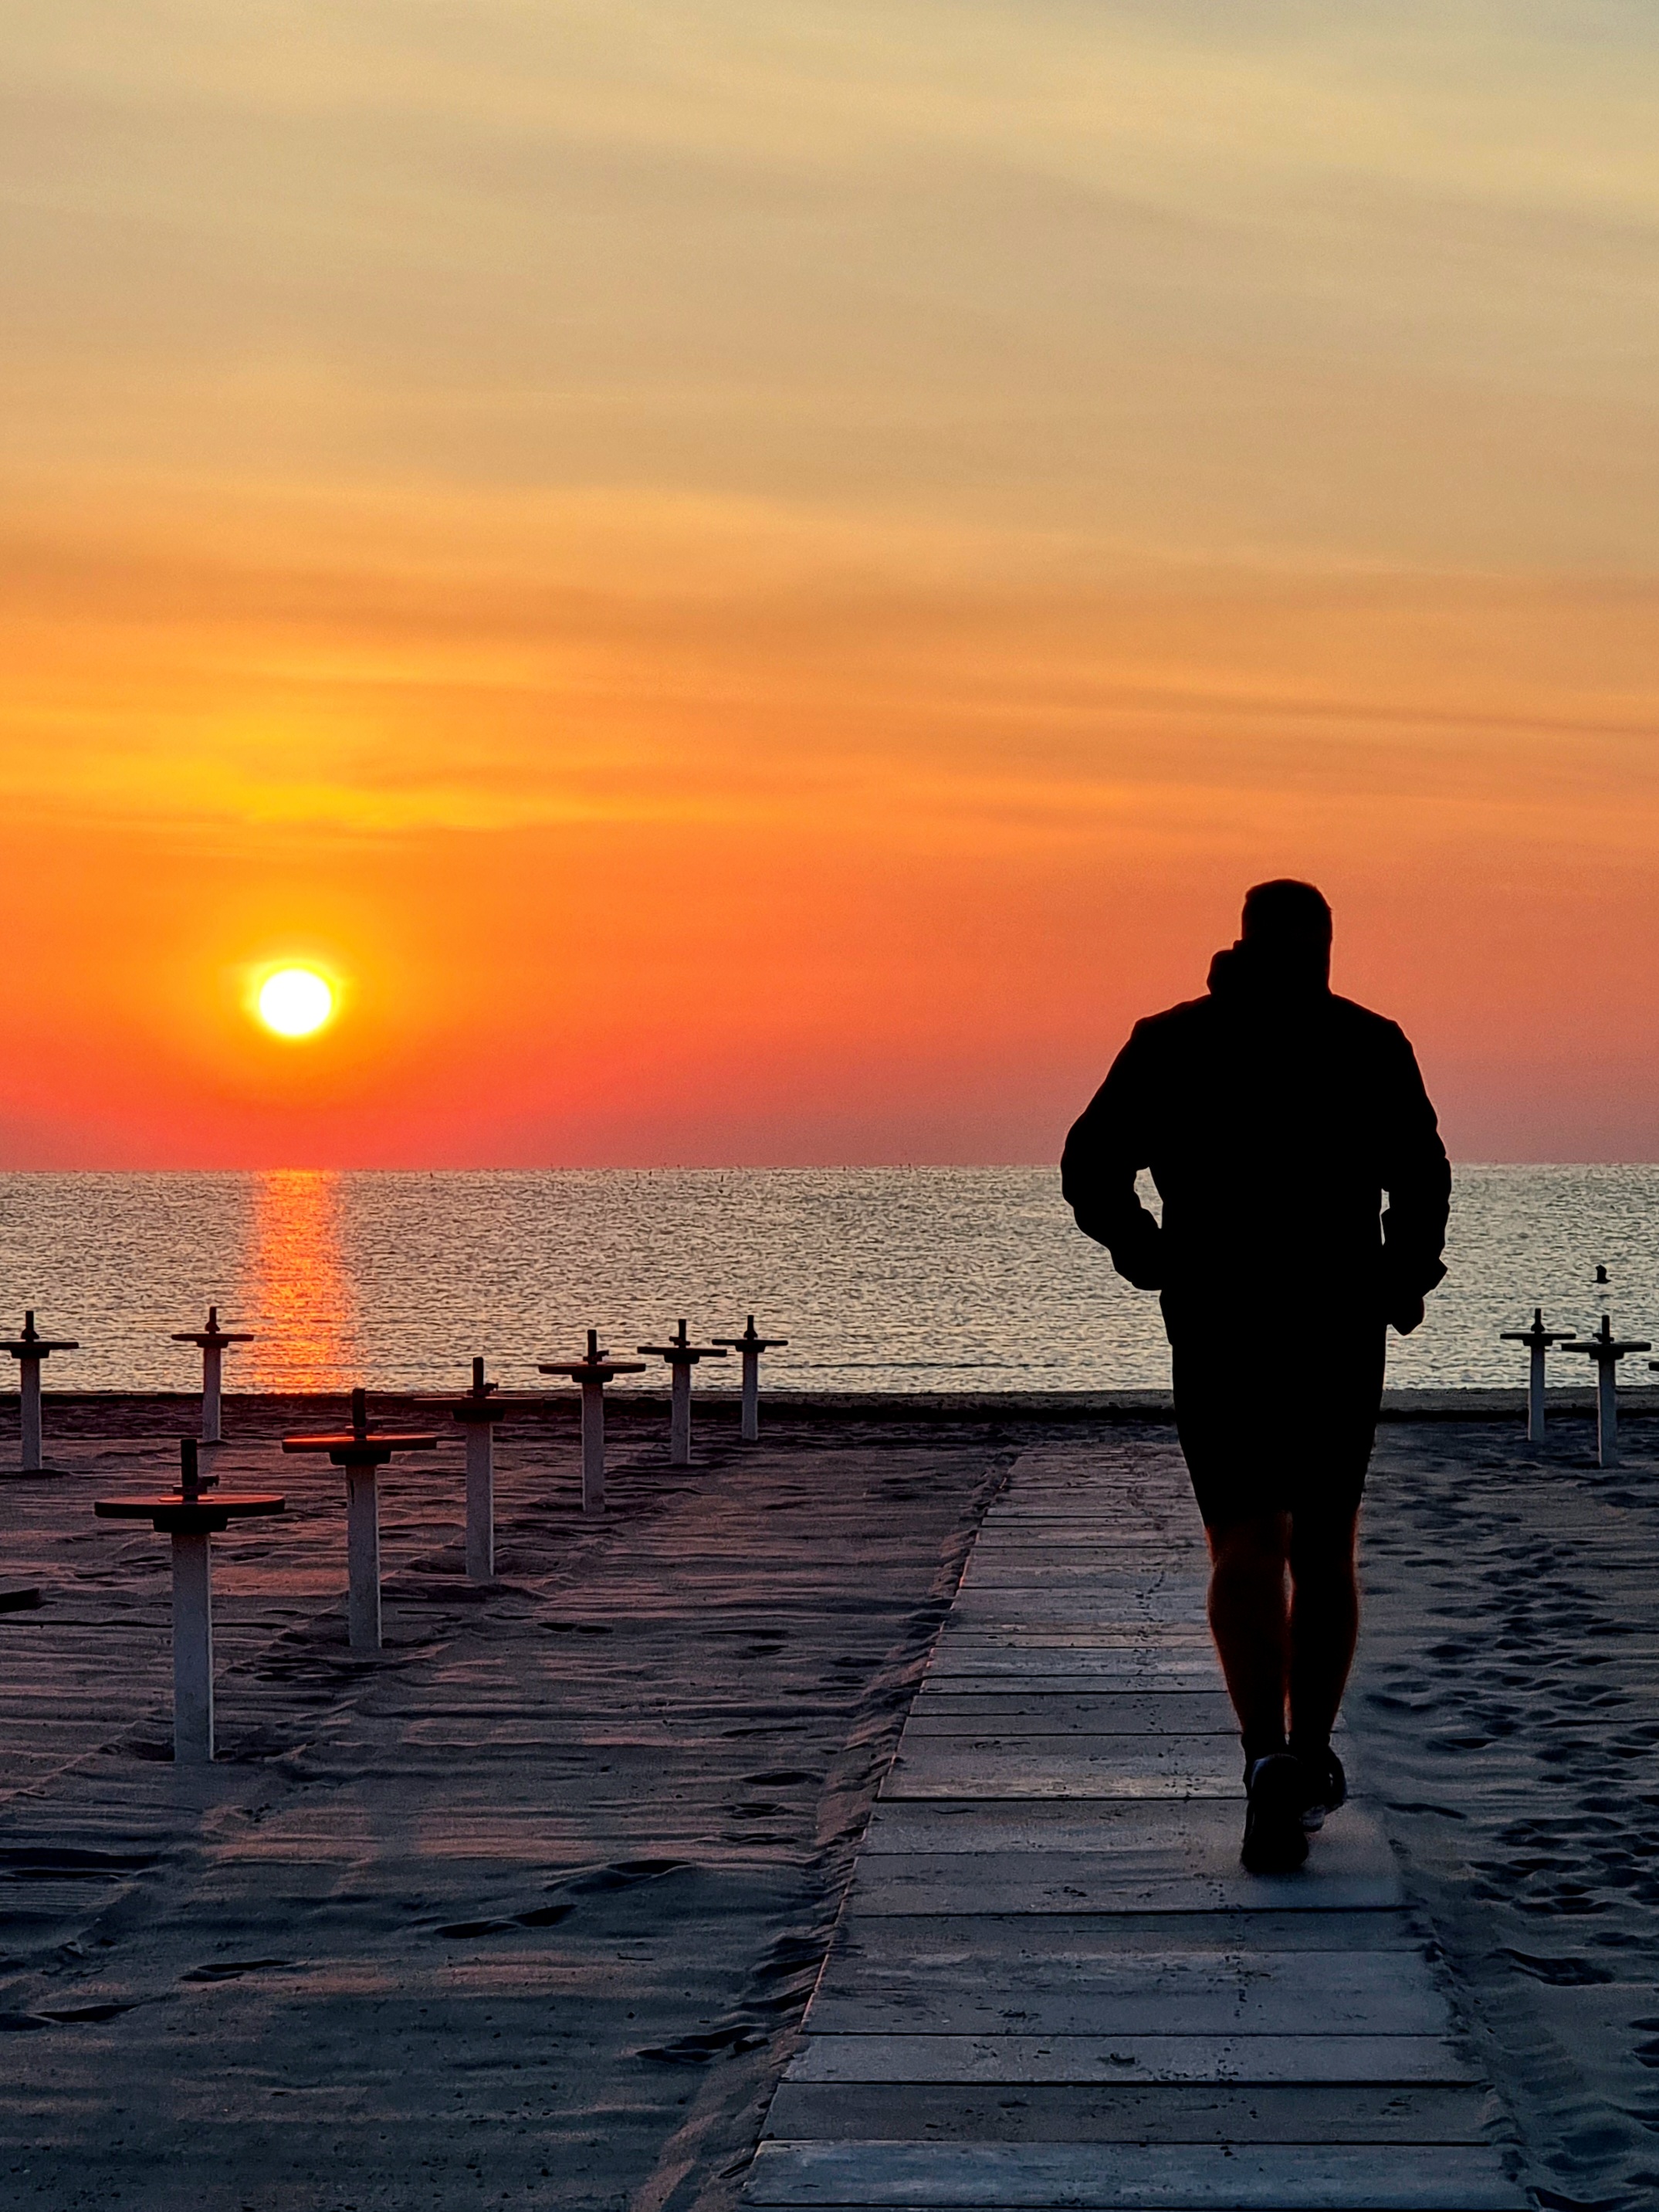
x: 1139, y: 1256
x: 1135, y: 1242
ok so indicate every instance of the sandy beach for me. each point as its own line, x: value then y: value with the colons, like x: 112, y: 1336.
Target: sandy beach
x: 1507, y: 1699
x: 520, y: 1910
x: 526, y: 1909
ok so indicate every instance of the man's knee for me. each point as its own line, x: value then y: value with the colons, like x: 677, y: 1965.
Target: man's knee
x: 1320, y: 1554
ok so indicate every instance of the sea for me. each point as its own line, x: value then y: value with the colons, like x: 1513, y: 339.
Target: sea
x: 916, y: 1280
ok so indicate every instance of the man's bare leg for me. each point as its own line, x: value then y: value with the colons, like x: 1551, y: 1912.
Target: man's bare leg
x: 1249, y: 1618
x: 1250, y: 1621
x: 1324, y: 1625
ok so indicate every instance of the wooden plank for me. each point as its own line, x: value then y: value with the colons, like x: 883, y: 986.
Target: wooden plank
x: 1278, y: 2178
x: 1104, y: 1510
x: 947, y: 1693
x: 1134, y: 1767
x: 1065, y: 1537
x: 1022, y: 2060
x: 1034, y: 1528
x: 1199, y: 1832
x: 1057, y: 1675
x: 1151, y: 1640
x: 1080, y: 1722
x: 1015, y: 1936
x: 1202, y: 1831
x: 1065, y: 1636
x: 1073, y: 1782
x: 1047, y: 1715
x: 1114, y: 1543
x: 1021, y: 1505
x: 886, y: 2109
x: 1036, y: 1569
x: 1075, y: 1561
x: 1298, y: 1992
x: 1092, y: 1616
x: 1054, y: 1881
x: 982, y: 1660
x: 1085, y: 1605
x: 1137, y: 1593
x: 1124, y: 1839
x: 1079, y: 1550
x: 1076, y: 1566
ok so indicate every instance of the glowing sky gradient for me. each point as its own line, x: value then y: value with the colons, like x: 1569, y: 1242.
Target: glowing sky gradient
x: 755, y: 580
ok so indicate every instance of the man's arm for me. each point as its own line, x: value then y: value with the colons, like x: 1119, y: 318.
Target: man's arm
x: 1107, y: 1148
x: 1417, y: 1176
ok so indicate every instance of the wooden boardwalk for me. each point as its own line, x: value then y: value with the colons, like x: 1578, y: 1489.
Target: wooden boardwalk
x: 1053, y: 1983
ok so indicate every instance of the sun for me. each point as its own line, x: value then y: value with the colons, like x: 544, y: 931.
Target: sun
x: 295, y: 1002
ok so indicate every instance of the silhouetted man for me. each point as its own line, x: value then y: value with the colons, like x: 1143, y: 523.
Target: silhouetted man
x: 1273, y: 1116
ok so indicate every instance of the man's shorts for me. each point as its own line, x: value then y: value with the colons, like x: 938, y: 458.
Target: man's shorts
x: 1284, y: 1427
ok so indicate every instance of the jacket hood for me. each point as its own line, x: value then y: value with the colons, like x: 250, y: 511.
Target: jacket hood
x: 1252, y: 977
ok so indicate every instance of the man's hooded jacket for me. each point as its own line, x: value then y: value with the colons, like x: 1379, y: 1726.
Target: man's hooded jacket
x: 1273, y: 1116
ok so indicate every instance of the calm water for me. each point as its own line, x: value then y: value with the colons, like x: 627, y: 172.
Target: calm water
x: 893, y: 1278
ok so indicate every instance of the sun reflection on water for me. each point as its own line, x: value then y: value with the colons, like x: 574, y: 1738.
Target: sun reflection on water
x: 299, y: 1291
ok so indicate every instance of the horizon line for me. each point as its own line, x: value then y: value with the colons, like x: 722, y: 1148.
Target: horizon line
x: 725, y: 1167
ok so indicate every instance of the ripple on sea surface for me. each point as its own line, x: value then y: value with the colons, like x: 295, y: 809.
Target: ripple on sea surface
x: 884, y: 1278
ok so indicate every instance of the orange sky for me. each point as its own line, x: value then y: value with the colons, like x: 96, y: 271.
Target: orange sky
x: 758, y: 580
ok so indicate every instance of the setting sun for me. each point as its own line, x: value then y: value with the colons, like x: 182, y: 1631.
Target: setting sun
x: 295, y: 1002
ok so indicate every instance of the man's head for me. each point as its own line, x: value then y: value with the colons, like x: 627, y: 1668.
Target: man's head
x: 1287, y: 928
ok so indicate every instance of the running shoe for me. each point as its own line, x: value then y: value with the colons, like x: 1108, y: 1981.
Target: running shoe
x: 1274, y: 1839
x: 1324, y: 1787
